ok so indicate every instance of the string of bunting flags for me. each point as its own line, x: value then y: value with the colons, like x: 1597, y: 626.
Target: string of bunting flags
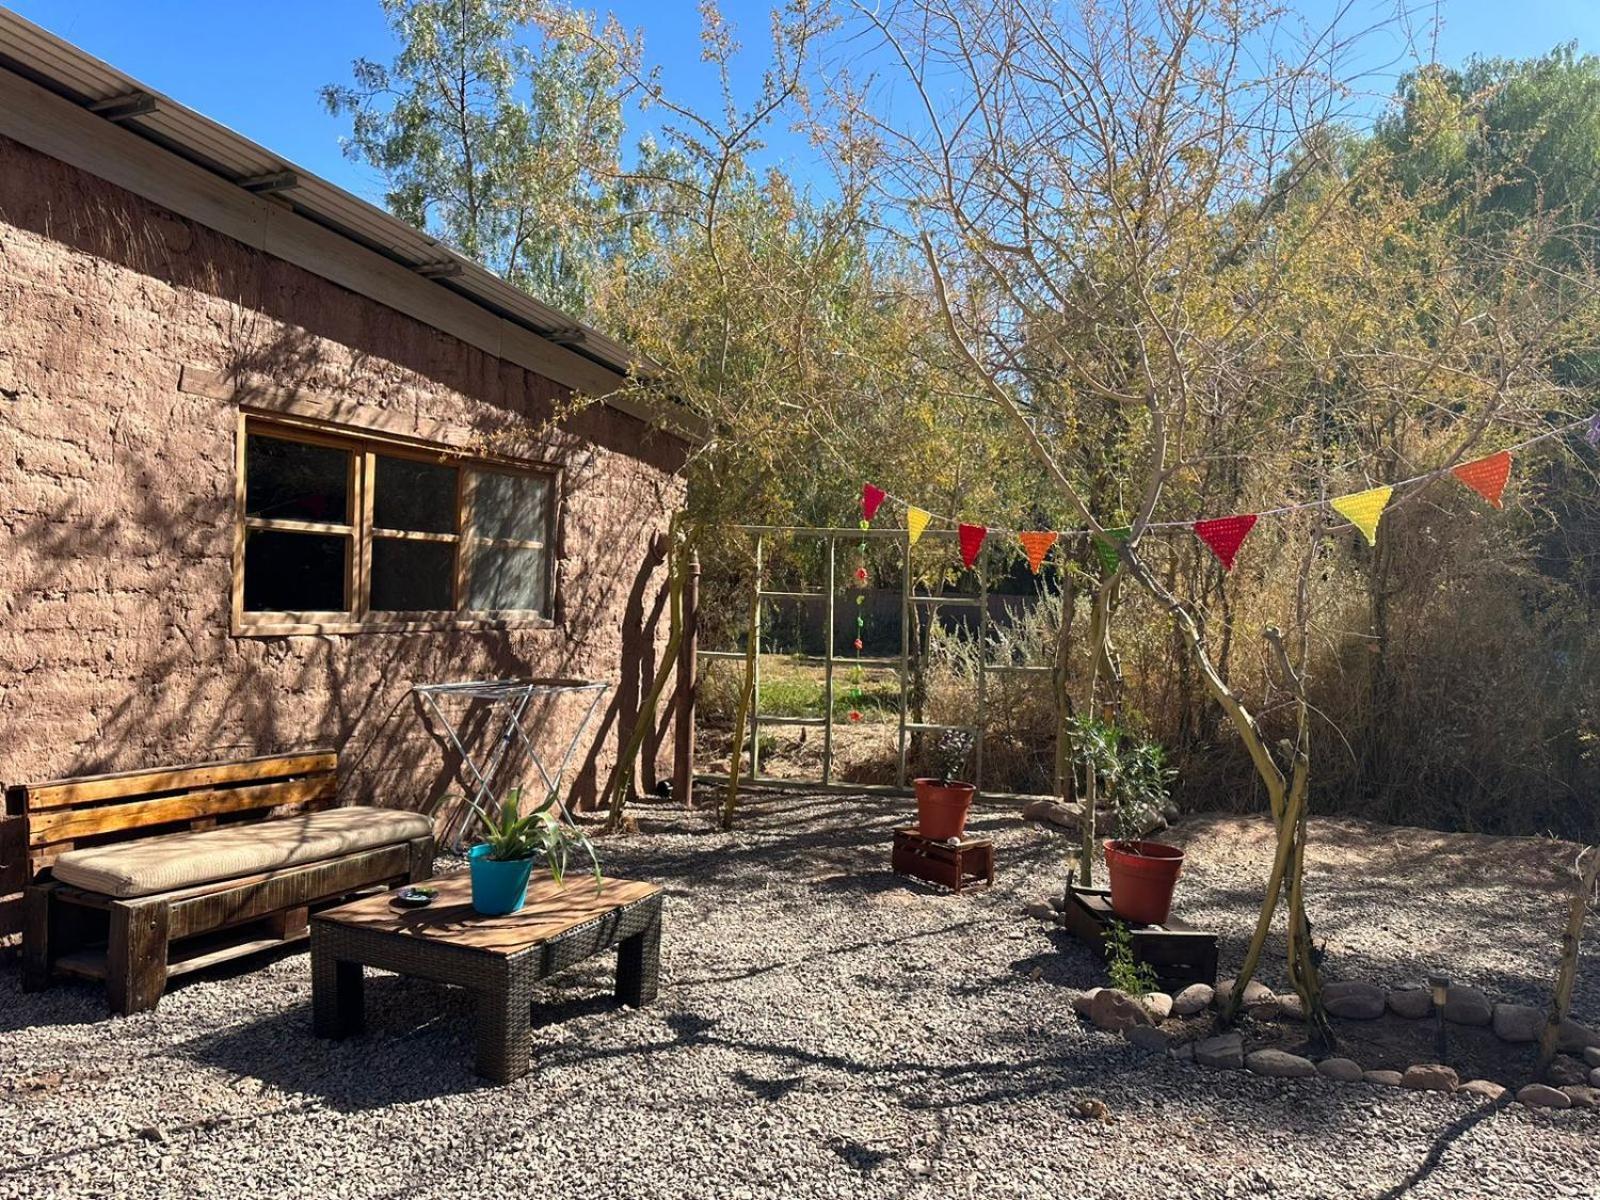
x: 1223, y: 536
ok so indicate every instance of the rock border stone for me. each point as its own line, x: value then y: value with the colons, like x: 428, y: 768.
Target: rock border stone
x: 1138, y: 1020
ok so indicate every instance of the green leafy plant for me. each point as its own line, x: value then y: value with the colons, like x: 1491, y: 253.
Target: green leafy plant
x: 513, y: 835
x: 1127, y: 975
x: 1131, y: 771
x: 950, y: 754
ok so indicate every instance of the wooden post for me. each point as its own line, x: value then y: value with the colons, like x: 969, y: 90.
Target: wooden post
x: 755, y: 668
x: 747, y: 699
x: 688, y: 665
x: 136, y: 955
x: 827, y: 669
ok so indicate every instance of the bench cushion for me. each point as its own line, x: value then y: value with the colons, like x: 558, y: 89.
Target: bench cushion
x: 179, y: 860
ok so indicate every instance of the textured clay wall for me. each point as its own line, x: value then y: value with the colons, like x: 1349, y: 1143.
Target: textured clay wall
x: 117, y: 519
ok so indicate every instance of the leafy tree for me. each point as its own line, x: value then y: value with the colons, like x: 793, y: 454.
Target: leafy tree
x: 1130, y: 230
x: 501, y: 145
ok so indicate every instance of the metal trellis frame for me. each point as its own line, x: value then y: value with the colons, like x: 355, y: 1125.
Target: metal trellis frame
x: 906, y: 728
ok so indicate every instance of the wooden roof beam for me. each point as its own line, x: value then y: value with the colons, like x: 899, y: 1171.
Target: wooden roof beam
x: 121, y: 108
x: 272, y: 181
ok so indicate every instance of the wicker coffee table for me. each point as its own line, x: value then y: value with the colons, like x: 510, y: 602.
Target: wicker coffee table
x: 498, y: 958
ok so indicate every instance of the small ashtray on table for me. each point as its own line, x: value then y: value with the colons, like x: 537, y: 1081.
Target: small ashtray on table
x: 956, y: 864
x: 497, y: 958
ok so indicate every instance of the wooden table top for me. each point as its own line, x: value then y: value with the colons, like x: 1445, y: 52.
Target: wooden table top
x: 552, y: 909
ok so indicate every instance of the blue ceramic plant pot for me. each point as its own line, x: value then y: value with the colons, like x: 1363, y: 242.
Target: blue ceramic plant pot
x: 498, y: 887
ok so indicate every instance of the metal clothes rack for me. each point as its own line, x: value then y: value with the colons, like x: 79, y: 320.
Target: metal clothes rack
x: 512, y: 698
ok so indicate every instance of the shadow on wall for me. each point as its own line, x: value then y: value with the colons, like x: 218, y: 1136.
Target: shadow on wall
x: 118, y: 539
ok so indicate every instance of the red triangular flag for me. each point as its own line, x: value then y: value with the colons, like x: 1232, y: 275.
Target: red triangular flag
x: 1225, y: 535
x: 1037, y: 544
x: 971, y: 542
x: 1487, y: 476
x: 871, y: 498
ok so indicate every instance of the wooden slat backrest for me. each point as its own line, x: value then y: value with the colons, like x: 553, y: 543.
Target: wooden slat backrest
x: 125, y: 785
x: 110, y: 808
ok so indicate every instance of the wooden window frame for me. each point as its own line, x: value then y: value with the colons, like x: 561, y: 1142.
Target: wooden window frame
x: 365, y: 447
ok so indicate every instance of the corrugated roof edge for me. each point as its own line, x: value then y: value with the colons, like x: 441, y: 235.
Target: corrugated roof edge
x: 67, y: 71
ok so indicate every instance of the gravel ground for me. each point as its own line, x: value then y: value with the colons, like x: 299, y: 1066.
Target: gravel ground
x: 823, y: 1029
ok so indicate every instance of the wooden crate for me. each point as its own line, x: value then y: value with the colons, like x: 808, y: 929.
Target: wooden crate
x: 1178, y: 953
x: 955, y: 865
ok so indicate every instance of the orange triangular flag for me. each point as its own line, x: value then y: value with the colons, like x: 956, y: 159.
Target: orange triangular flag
x: 1037, y: 545
x: 1487, y: 476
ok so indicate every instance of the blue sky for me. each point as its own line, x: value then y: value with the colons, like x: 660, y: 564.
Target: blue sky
x: 257, y: 67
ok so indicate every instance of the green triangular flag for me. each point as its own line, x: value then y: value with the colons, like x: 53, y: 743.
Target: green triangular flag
x: 1106, y: 547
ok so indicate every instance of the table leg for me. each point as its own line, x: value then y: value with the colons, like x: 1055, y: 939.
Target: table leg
x: 505, y: 1030
x: 337, y: 1007
x: 639, y: 964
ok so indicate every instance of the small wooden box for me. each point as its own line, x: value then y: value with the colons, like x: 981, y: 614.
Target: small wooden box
x: 1178, y: 953
x: 955, y: 865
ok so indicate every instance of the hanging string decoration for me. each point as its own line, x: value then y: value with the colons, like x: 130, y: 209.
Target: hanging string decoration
x: 1224, y: 535
x: 1487, y: 476
x: 1364, y: 510
x: 1036, y: 544
x: 1106, y: 547
x: 860, y: 580
x: 971, y: 542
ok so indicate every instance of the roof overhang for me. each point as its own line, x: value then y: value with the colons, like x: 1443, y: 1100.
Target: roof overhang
x: 68, y: 104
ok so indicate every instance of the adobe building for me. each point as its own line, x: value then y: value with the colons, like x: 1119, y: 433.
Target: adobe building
x: 271, y: 457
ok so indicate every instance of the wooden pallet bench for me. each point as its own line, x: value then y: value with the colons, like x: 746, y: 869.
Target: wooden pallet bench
x: 1178, y: 953
x: 143, y: 875
x: 955, y: 865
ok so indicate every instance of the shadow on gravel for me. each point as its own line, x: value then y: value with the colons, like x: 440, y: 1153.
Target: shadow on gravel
x: 1339, y: 904
x: 83, y: 1002
x: 1441, y: 1146
x: 66, y: 1003
x: 418, y: 1043
x: 791, y: 834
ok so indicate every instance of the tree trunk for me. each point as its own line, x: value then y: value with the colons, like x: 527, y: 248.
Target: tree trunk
x: 1571, y: 940
x: 1102, y: 662
x: 622, y: 779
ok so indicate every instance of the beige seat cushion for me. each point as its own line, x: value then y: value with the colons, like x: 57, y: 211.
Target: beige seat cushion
x: 179, y: 860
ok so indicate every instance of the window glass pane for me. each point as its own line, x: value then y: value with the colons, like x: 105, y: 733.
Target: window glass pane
x: 412, y: 495
x: 504, y: 577
x: 295, y: 481
x: 413, y: 576
x: 513, y: 507
x: 294, y: 572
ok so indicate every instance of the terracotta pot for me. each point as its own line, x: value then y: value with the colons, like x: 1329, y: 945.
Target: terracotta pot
x: 942, y: 808
x: 1143, y: 877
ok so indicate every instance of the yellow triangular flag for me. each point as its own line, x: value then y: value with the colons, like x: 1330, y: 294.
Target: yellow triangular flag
x: 916, y: 522
x: 1364, y: 510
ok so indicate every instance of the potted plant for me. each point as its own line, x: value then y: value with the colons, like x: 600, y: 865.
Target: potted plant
x: 1133, y: 773
x: 512, y: 843
x: 944, y: 801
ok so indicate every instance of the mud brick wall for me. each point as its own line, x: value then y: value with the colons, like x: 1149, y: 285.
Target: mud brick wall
x: 117, y: 515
